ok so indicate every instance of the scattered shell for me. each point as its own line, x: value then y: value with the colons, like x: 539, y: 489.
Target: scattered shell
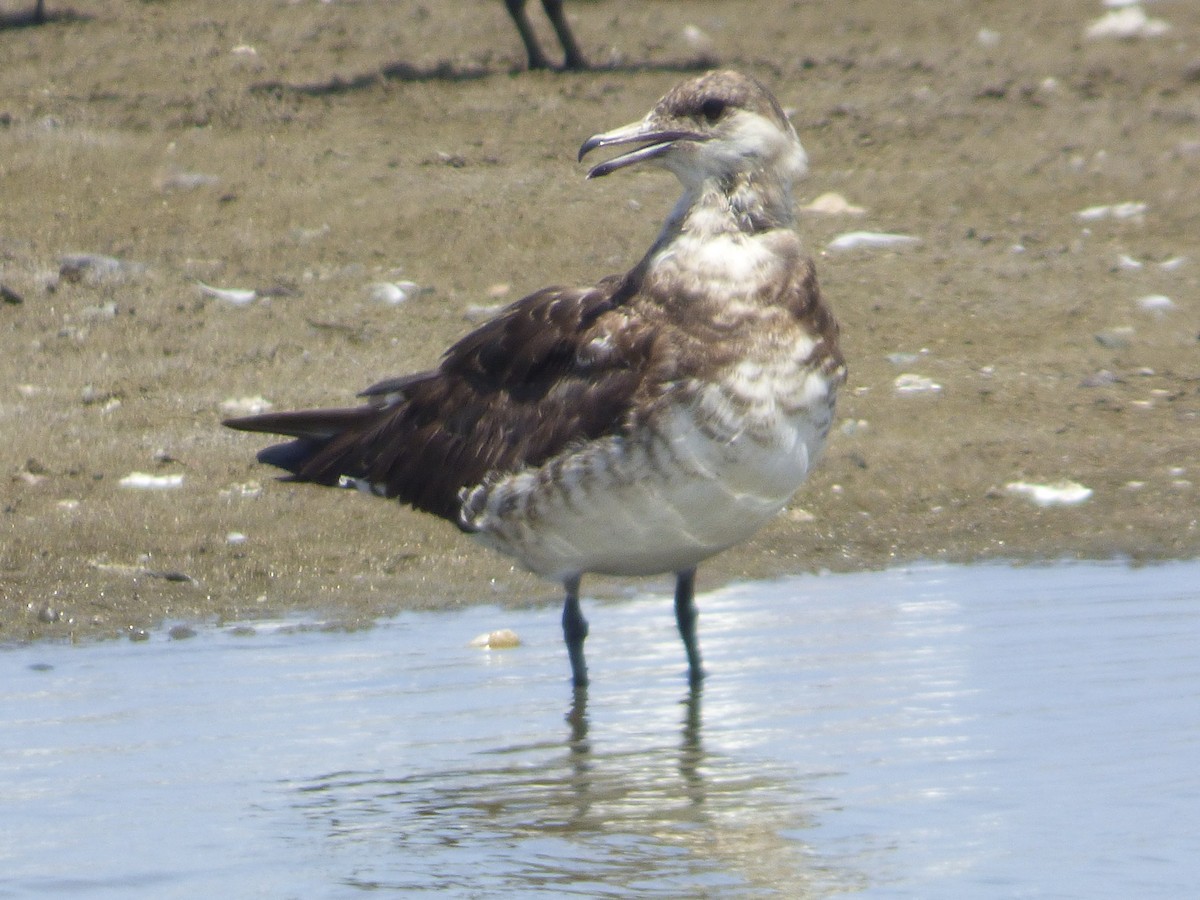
x: 1126, y: 23
x: 498, y: 290
x: 235, y: 537
x: 832, y: 203
x: 1060, y: 493
x: 1155, y: 303
x: 1170, y: 265
x: 245, y: 406
x: 1128, y: 210
x: 908, y: 383
x: 504, y: 639
x: 143, y: 481
x: 244, y: 50
x: 871, y: 240
x: 236, y: 296
x: 1127, y: 262
x: 394, y: 292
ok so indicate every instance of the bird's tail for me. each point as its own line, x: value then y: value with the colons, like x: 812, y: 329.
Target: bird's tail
x: 307, y: 458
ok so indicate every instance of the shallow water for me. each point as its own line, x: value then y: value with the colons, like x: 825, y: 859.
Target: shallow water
x: 931, y: 732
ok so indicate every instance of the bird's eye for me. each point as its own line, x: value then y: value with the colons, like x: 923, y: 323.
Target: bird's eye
x: 712, y: 109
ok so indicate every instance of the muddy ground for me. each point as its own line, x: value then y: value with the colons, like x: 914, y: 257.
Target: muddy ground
x: 310, y: 150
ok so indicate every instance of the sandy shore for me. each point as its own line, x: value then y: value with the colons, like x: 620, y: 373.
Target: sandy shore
x: 310, y: 151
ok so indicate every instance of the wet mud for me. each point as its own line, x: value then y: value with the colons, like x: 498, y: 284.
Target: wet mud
x: 368, y: 178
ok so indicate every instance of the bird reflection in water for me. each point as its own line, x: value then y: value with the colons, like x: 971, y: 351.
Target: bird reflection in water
x: 622, y: 808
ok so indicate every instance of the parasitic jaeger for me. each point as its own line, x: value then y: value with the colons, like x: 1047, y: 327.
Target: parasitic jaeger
x: 638, y: 426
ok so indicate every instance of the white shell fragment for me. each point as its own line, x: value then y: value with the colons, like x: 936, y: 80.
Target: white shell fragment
x: 1125, y: 23
x: 909, y: 383
x: 504, y: 639
x: 871, y: 240
x: 1060, y: 493
x: 1155, y: 303
x: 831, y: 203
x: 394, y: 292
x: 236, y: 296
x: 1127, y: 210
x: 141, y: 481
x: 245, y: 406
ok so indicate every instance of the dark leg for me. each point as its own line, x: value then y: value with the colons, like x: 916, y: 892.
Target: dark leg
x: 575, y: 630
x: 516, y: 9
x: 685, y: 618
x: 574, y: 57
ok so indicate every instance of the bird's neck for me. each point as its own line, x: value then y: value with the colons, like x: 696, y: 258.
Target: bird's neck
x: 748, y: 204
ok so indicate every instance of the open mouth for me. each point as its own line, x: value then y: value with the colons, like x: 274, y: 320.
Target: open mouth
x: 654, y: 143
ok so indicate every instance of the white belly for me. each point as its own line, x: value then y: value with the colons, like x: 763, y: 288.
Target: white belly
x: 662, y: 501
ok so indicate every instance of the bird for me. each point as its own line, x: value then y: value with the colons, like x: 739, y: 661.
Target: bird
x: 637, y: 426
x: 573, y: 58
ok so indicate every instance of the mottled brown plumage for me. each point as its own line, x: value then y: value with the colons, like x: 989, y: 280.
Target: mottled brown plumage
x: 636, y: 426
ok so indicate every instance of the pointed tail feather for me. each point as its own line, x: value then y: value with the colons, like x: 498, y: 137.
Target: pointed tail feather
x: 315, y: 424
x: 313, y: 431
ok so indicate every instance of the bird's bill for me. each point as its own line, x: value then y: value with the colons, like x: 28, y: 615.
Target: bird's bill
x: 654, y: 141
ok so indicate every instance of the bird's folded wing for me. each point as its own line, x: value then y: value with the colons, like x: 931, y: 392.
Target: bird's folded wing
x: 559, y: 367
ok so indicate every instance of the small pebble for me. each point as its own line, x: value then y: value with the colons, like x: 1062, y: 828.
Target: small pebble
x: 94, y: 268
x: 1115, y: 338
x: 1102, y: 378
x: 910, y: 383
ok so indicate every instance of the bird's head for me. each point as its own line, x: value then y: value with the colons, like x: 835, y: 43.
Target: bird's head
x: 721, y: 126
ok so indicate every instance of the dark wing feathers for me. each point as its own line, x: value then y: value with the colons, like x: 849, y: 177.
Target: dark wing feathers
x: 555, y: 368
